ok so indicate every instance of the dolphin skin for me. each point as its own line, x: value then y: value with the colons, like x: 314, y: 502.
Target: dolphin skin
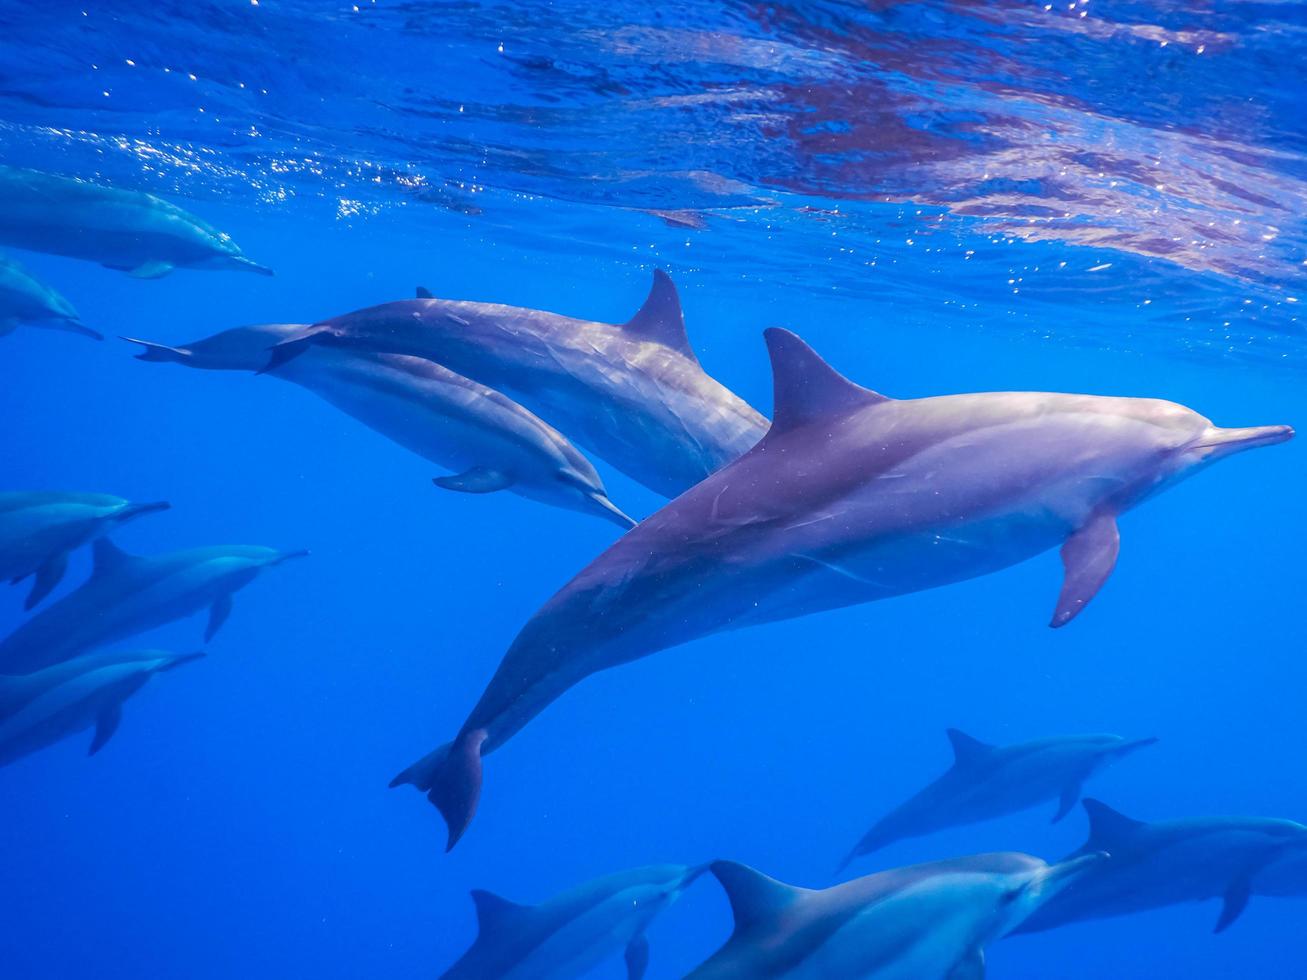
x: 38, y: 529
x: 141, y: 234
x: 573, y: 932
x: 849, y: 498
x: 988, y: 781
x: 925, y: 922
x: 23, y: 299
x: 1170, y: 862
x: 40, y: 709
x: 488, y: 440
x: 129, y: 594
x: 633, y: 394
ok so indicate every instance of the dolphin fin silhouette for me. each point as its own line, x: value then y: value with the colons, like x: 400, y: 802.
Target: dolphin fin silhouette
x: 105, y: 726
x: 1088, y: 557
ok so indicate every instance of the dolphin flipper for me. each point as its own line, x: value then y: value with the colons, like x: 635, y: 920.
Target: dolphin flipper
x: 46, y: 578
x: 217, y: 616
x: 970, y: 967
x: 1067, y: 801
x: 151, y: 270
x: 1088, y: 557
x: 637, y: 957
x: 105, y: 726
x: 479, y: 479
x: 1234, y: 902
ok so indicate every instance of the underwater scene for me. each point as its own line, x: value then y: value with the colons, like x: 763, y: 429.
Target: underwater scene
x: 716, y: 490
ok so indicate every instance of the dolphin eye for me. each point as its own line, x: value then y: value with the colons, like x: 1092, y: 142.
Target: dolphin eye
x: 1009, y: 897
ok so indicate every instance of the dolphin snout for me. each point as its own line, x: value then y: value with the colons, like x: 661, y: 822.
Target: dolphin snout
x: 136, y: 510
x: 288, y: 555
x: 1064, y: 873
x: 1225, y: 442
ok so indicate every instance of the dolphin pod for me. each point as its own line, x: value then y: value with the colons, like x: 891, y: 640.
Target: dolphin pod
x: 488, y: 440
x: 23, y: 299
x: 841, y: 503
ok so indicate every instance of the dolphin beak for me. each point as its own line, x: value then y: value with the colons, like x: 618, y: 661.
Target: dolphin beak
x: 288, y: 555
x: 136, y: 510
x: 158, y: 352
x: 611, y: 511
x: 183, y: 658
x: 1219, y: 443
x: 242, y: 262
x: 1136, y: 745
x: 1064, y: 873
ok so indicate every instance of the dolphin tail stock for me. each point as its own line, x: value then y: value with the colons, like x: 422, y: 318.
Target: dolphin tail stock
x: 451, y: 778
x: 161, y: 353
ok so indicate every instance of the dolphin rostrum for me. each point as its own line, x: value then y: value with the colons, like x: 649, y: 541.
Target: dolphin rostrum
x: 571, y: 933
x: 23, y: 299
x: 850, y: 497
x: 38, y: 529
x: 633, y: 394
x: 988, y: 781
x: 143, y: 235
x: 37, y: 710
x: 924, y: 922
x: 129, y: 594
x: 488, y: 440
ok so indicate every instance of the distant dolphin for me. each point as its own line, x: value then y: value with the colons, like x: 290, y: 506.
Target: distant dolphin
x: 128, y: 594
x: 38, y: 529
x: 23, y: 299
x: 488, y: 440
x: 573, y: 932
x: 141, y: 234
x: 1169, y: 862
x: 988, y: 781
x: 37, y: 710
x: 925, y: 922
x: 633, y: 394
x: 850, y: 497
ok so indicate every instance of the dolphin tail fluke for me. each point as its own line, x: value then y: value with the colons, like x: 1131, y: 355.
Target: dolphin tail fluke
x: 159, y: 352
x: 451, y: 778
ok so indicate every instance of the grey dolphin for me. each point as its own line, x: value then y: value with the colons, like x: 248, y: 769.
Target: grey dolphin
x: 924, y: 922
x: 40, y: 709
x: 38, y: 529
x: 850, y: 497
x: 633, y: 394
x: 488, y: 440
x: 129, y: 594
x: 1169, y: 862
x: 136, y: 232
x: 573, y: 932
x: 988, y: 781
x: 24, y: 299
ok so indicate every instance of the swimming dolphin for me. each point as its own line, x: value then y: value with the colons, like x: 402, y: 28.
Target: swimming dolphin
x: 925, y: 922
x: 37, y: 710
x: 488, y: 440
x: 633, y: 394
x: 141, y: 234
x: 850, y: 497
x: 129, y: 594
x: 1169, y: 862
x: 38, y: 529
x: 25, y: 300
x: 988, y: 781
x: 573, y: 932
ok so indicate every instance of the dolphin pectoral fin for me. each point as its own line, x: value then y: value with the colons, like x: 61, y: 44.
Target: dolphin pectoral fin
x: 479, y: 479
x: 151, y: 270
x: 970, y: 967
x: 451, y: 778
x: 47, y: 577
x: 1234, y: 902
x: 217, y: 616
x: 105, y: 726
x: 1088, y: 557
x: 637, y: 957
x: 1066, y: 802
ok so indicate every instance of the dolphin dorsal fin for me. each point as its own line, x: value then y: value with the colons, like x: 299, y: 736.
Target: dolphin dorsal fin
x: 804, y: 387
x: 422, y: 293
x: 107, y: 557
x: 496, y: 916
x: 967, y: 750
x: 660, y: 318
x: 1106, y: 826
x: 756, y: 900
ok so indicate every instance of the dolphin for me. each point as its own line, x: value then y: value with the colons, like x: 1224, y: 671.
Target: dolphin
x: 37, y: 710
x: 850, y: 497
x: 924, y: 922
x: 488, y: 440
x: 141, y: 234
x: 633, y: 394
x: 988, y: 781
x: 1169, y: 862
x: 571, y: 933
x: 23, y: 299
x: 39, y: 529
x: 129, y: 594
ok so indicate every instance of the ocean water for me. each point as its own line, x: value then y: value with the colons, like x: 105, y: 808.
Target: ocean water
x: 1102, y: 197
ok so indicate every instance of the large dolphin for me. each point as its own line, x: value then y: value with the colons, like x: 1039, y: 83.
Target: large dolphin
x: 850, y: 497
x: 988, y: 781
x: 24, y: 299
x: 1169, y: 862
x: 634, y: 394
x: 129, y: 594
x: 925, y: 922
x: 141, y: 234
x: 488, y: 440
x: 571, y: 933
x: 37, y: 710
x: 38, y: 529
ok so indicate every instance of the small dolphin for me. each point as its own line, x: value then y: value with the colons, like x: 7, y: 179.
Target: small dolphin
x: 1169, y: 862
x: 849, y: 498
x: 488, y: 440
x: 633, y: 394
x: 37, y: 710
x: 573, y: 932
x: 988, y: 781
x: 925, y: 922
x: 141, y: 234
x: 129, y: 594
x: 25, y: 300
x: 38, y: 530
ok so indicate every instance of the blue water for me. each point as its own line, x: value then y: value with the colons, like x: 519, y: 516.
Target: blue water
x: 938, y: 197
